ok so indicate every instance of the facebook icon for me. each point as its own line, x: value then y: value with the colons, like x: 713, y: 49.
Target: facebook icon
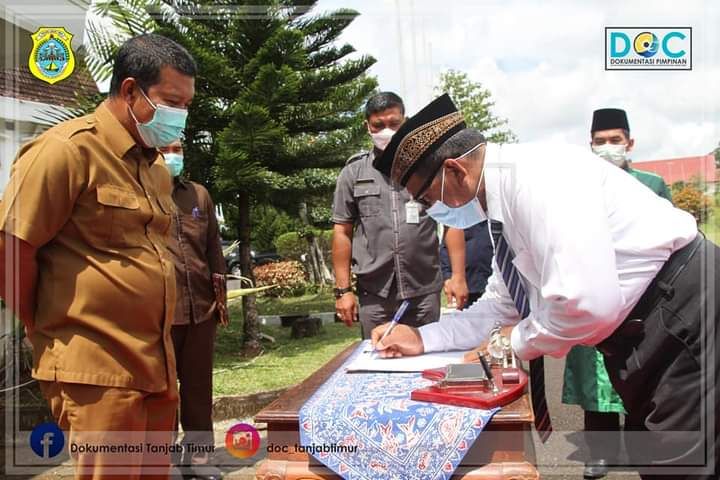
x: 47, y: 440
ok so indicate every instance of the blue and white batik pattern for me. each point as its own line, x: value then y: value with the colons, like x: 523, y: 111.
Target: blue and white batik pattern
x: 395, y: 437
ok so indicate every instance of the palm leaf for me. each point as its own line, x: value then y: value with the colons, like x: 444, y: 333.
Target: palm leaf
x: 230, y: 248
x: 102, y: 45
x: 240, y: 292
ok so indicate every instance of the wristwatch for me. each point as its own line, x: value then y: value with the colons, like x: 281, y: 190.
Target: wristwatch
x: 498, y: 345
x: 339, y: 292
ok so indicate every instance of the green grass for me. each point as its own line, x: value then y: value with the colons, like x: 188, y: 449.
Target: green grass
x: 323, y: 301
x: 284, y: 363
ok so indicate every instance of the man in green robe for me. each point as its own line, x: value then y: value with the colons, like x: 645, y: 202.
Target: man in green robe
x: 586, y: 381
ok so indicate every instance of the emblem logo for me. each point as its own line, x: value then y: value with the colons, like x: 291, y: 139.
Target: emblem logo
x: 51, y: 58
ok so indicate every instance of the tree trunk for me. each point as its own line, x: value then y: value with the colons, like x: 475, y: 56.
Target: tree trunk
x: 251, y: 345
x: 324, y: 271
x: 310, y: 269
x: 315, y: 261
x: 315, y: 272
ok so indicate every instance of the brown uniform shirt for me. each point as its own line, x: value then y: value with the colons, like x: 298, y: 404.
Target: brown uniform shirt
x: 197, y: 252
x: 99, y: 212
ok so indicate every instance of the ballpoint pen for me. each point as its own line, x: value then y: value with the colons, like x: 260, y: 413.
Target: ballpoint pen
x: 396, y: 318
x: 488, y: 373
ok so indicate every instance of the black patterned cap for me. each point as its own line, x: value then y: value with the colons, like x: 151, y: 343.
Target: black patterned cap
x: 422, y: 134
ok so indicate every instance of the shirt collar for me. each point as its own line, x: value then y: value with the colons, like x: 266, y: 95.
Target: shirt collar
x: 494, y: 169
x: 116, y: 135
x: 180, y: 182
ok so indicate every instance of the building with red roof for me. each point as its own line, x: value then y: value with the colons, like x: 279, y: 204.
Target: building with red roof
x: 683, y: 169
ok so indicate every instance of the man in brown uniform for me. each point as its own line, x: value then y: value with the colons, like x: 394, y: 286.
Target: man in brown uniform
x: 199, y: 264
x: 84, y: 224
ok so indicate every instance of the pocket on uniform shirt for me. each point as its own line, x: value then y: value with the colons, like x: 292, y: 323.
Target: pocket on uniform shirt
x: 114, y: 196
x: 167, y: 206
x: 367, y: 197
x: 120, y: 212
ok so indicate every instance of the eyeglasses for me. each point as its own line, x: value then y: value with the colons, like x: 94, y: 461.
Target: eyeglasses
x: 422, y: 200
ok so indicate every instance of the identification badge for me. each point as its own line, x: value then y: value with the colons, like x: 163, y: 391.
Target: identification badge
x: 412, y: 212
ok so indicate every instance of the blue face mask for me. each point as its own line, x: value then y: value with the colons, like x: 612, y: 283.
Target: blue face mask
x: 174, y: 162
x: 166, y: 125
x: 464, y: 216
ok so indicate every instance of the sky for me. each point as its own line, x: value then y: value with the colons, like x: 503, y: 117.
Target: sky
x: 544, y: 64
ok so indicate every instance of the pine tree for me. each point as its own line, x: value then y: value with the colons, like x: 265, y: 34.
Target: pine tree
x: 277, y: 108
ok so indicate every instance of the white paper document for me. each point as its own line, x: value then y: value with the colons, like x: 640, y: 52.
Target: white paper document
x: 368, y: 361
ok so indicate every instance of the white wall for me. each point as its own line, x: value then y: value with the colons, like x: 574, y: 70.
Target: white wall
x: 17, y: 126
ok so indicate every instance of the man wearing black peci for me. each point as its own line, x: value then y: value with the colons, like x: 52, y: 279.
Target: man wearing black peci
x: 603, y: 261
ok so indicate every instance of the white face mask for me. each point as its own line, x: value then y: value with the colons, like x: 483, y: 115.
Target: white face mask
x: 382, y: 138
x: 615, y: 154
x: 464, y: 216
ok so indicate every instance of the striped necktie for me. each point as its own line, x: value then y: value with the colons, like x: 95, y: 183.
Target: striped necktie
x: 504, y: 256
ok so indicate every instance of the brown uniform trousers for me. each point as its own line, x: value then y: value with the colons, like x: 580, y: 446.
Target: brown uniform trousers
x: 106, y: 416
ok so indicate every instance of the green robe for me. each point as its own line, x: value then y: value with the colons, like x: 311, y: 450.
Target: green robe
x: 653, y: 181
x: 586, y: 382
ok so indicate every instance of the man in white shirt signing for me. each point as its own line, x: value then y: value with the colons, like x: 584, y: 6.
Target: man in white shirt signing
x: 584, y: 254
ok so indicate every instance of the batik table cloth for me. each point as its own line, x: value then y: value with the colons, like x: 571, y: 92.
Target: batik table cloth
x: 364, y: 426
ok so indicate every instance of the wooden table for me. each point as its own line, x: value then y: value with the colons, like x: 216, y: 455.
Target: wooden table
x: 504, y: 449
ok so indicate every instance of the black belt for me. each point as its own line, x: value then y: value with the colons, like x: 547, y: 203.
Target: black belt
x: 660, y: 288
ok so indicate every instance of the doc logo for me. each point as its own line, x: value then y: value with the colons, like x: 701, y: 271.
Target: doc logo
x: 646, y: 44
x: 47, y: 440
x: 648, y: 48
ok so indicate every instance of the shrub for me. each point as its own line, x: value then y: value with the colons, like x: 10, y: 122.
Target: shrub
x: 268, y: 224
x: 290, y: 245
x: 694, y: 201
x: 288, y: 275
